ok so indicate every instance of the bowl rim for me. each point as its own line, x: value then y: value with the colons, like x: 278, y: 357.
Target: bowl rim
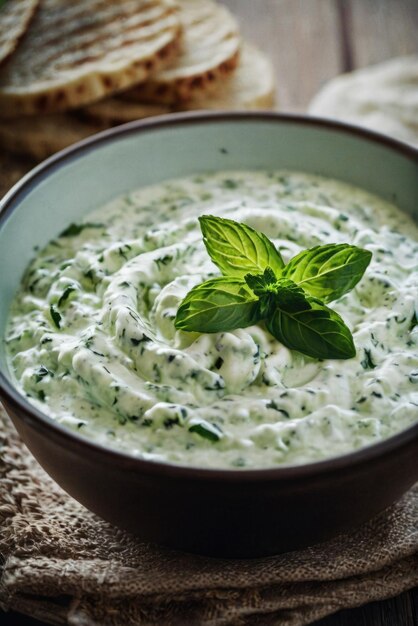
x: 80, y: 444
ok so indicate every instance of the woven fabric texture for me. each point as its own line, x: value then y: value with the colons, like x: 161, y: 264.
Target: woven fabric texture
x: 62, y: 564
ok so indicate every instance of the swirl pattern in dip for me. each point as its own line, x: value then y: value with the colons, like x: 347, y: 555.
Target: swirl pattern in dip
x: 92, y: 343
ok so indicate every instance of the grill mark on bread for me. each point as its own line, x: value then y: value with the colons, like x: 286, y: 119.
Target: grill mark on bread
x: 251, y: 86
x: 67, y: 62
x: 15, y: 18
x: 79, y: 36
x: 82, y: 14
x: 210, y: 52
x: 77, y: 56
x: 78, y: 48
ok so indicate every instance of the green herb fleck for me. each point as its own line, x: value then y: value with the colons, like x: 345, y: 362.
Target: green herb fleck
x: 239, y: 462
x: 41, y: 373
x: 367, y: 363
x: 165, y: 260
x: 228, y: 183
x: 75, y: 229
x: 206, y: 430
x: 66, y: 293
x: 55, y: 316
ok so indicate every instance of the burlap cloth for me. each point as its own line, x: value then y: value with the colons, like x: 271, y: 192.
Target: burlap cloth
x: 62, y: 564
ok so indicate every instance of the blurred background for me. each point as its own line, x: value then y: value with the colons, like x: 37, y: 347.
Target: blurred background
x: 312, y: 41
x: 306, y: 42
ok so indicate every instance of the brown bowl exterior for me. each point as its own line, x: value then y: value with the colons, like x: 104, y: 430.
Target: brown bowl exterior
x: 222, y: 513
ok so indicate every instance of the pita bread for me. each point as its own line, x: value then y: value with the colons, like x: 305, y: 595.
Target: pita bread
x: 210, y: 52
x: 39, y: 136
x: 115, y: 111
x: 14, y: 21
x: 383, y: 97
x: 251, y: 86
x: 80, y: 51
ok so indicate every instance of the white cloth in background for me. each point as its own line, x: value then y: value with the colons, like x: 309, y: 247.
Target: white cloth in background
x: 382, y: 97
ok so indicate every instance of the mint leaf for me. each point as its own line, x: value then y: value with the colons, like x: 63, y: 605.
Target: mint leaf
x: 314, y: 330
x: 328, y: 272
x: 274, y: 291
x: 289, y: 296
x: 238, y: 249
x: 219, y: 304
x: 262, y: 284
x: 283, y: 289
x: 257, y: 286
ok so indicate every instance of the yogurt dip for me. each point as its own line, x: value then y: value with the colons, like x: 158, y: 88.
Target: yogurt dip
x: 92, y: 343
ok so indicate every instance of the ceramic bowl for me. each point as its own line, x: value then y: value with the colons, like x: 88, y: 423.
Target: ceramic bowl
x: 228, y: 513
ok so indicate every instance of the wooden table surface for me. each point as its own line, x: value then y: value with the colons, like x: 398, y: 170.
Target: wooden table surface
x: 309, y: 42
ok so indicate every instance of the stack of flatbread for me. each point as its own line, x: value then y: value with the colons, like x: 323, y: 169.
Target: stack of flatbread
x: 70, y: 69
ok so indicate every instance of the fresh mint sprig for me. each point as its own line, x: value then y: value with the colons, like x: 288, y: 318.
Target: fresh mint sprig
x: 238, y: 249
x: 328, y: 272
x: 218, y: 304
x: 256, y: 285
